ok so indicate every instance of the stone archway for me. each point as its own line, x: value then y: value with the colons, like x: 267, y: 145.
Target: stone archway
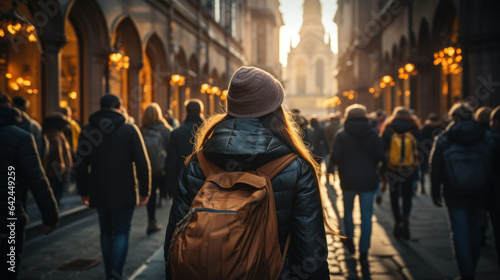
x: 156, y: 85
x: 90, y: 26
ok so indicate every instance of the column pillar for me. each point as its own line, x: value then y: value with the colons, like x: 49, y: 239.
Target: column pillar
x: 51, y: 68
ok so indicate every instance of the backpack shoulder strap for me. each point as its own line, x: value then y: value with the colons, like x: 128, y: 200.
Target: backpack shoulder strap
x: 207, y: 166
x: 274, y: 167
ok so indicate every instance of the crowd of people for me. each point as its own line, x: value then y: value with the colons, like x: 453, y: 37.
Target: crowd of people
x: 118, y: 165
x: 460, y: 153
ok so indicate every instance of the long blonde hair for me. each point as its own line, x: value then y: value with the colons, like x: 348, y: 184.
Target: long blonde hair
x: 282, y: 125
x: 153, y: 115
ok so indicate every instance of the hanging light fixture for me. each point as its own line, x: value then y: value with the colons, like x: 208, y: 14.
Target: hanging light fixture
x: 117, y: 59
x: 14, y: 26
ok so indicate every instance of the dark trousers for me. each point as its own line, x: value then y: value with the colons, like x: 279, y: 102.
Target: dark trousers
x: 466, y: 237
x: 59, y: 187
x: 115, y: 230
x: 11, y: 259
x: 404, y: 189
x: 151, y: 206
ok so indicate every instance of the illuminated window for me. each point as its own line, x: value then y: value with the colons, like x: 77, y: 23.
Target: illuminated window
x: 70, y: 73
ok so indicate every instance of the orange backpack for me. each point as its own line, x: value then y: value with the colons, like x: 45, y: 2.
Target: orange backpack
x: 231, y: 230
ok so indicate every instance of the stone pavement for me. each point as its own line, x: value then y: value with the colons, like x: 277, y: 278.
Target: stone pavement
x: 44, y: 254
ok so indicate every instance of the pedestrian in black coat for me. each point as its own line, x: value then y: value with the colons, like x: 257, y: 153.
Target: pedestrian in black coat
x: 401, y: 181
x: 320, y: 141
x: 464, y: 205
x: 181, y: 144
x: 21, y: 171
x: 29, y: 124
x: 113, y: 174
x: 433, y: 126
x: 357, y: 152
x: 255, y: 131
x: 493, y: 196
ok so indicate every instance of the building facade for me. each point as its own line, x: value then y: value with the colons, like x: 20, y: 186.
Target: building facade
x: 423, y: 55
x: 309, y: 71
x: 162, y: 51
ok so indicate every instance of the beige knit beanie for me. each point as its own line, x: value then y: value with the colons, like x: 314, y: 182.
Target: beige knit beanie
x: 253, y: 93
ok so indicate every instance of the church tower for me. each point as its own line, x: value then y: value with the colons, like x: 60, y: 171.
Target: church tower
x: 309, y: 71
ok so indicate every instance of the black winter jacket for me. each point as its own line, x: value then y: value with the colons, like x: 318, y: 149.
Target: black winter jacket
x: 33, y: 127
x: 17, y: 149
x: 494, y: 191
x: 111, y: 161
x: 165, y: 133
x: 245, y: 144
x: 357, y: 152
x: 393, y: 177
x: 180, y: 147
x: 465, y: 133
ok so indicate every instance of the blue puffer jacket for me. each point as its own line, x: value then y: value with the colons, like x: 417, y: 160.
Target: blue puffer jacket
x: 246, y: 144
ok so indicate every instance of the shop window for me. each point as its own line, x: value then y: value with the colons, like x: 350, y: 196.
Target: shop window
x: 70, y: 73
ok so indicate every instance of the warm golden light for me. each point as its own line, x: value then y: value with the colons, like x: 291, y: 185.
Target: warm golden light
x: 409, y: 67
x: 26, y: 83
x: 204, y: 87
x: 371, y: 90
x: 224, y: 92
x: 35, y: 91
x: 63, y: 103
x: 407, y: 93
x: 11, y: 29
x: 215, y: 90
x: 17, y: 26
x: 32, y: 38
x: 2, y: 33
x: 382, y: 85
x: 345, y: 93
x: 30, y: 91
x: 392, y: 83
x: 8, y: 75
x: 14, y: 86
x: 401, y: 70
x: 458, y: 58
x: 19, y: 80
x: 351, y: 96
x: 73, y: 95
x: 176, y: 78
x: 387, y: 79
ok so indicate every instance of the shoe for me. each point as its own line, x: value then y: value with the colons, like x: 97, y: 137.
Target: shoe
x: 365, y: 265
x: 153, y: 227
x: 405, y: 228
x: 397, y: 230
x: 349, y: 244
x: 378, y: 199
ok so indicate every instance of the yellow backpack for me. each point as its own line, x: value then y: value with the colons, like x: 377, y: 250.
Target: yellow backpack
x: 403, y: 152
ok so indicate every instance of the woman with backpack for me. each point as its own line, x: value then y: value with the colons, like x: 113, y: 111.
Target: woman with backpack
x: 156, y: 133
x: 401, y: 139
x: 255, y: 132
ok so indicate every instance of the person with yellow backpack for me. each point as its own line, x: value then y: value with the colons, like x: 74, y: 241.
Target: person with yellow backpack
x: 401, y: 138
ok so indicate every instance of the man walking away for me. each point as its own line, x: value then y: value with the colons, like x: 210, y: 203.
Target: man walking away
x: 181, y: 143
x: 111, y: 158
x: 357, y: 151
x: 21, y: 170
x: 460, y: 160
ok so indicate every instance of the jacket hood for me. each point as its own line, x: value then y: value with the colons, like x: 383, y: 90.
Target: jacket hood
x: 358, y: 128
x: 401, y: 126
x: 244, y: 144
x: 111, y: 115
x: 465, y: 132
x: 9, y: 116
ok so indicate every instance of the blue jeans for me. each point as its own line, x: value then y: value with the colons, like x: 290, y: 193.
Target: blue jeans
x: 115, y: 230
x: 466, y: 237
x: 366, y: 207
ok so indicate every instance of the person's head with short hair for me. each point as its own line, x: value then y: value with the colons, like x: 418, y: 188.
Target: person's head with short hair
x: 495, y: 118
x: 483, y: 115
x: 20, y: 103
x: 4, y: 98
x: 194, y: 107
x: 433, y: 117
x: 110, y: 101
x: 355, y: 111
x: 461, y: 111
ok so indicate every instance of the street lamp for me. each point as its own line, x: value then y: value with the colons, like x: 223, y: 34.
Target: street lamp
x: 14, y: 25
x: 450, y: 59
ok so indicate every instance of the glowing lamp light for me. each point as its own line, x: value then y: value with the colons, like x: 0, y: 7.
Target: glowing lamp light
x: 35, y: 91
x: 8, y: 75
x: 19, y: 80
x: 351, y: 96
x: 458, y: 58
x: 2, y: 33
x: 26, y: 83
x: 215, y: 90
x: 29, y: 91
x: 73, y: 95
x: 407, y: 93
x: 204, y: 87
x: 409, y: 67
x: 387, y: 79
x: 392, y: 83
x: 382, y: 85
x: 371, y: 90
x: 63, y: 103
x: 345, y: 93
x: 401, y: 70
x: 14, y: 86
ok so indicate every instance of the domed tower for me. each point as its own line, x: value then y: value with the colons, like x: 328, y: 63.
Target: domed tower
x: 310, y: 64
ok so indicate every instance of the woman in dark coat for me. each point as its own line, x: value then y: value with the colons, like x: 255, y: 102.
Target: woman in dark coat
x: 155, y: 126
x: 255, y: 131
x: 401, y: 178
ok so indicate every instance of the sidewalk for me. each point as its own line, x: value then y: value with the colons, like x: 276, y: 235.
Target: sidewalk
x: 427, y: 256
x: 80, y: 239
